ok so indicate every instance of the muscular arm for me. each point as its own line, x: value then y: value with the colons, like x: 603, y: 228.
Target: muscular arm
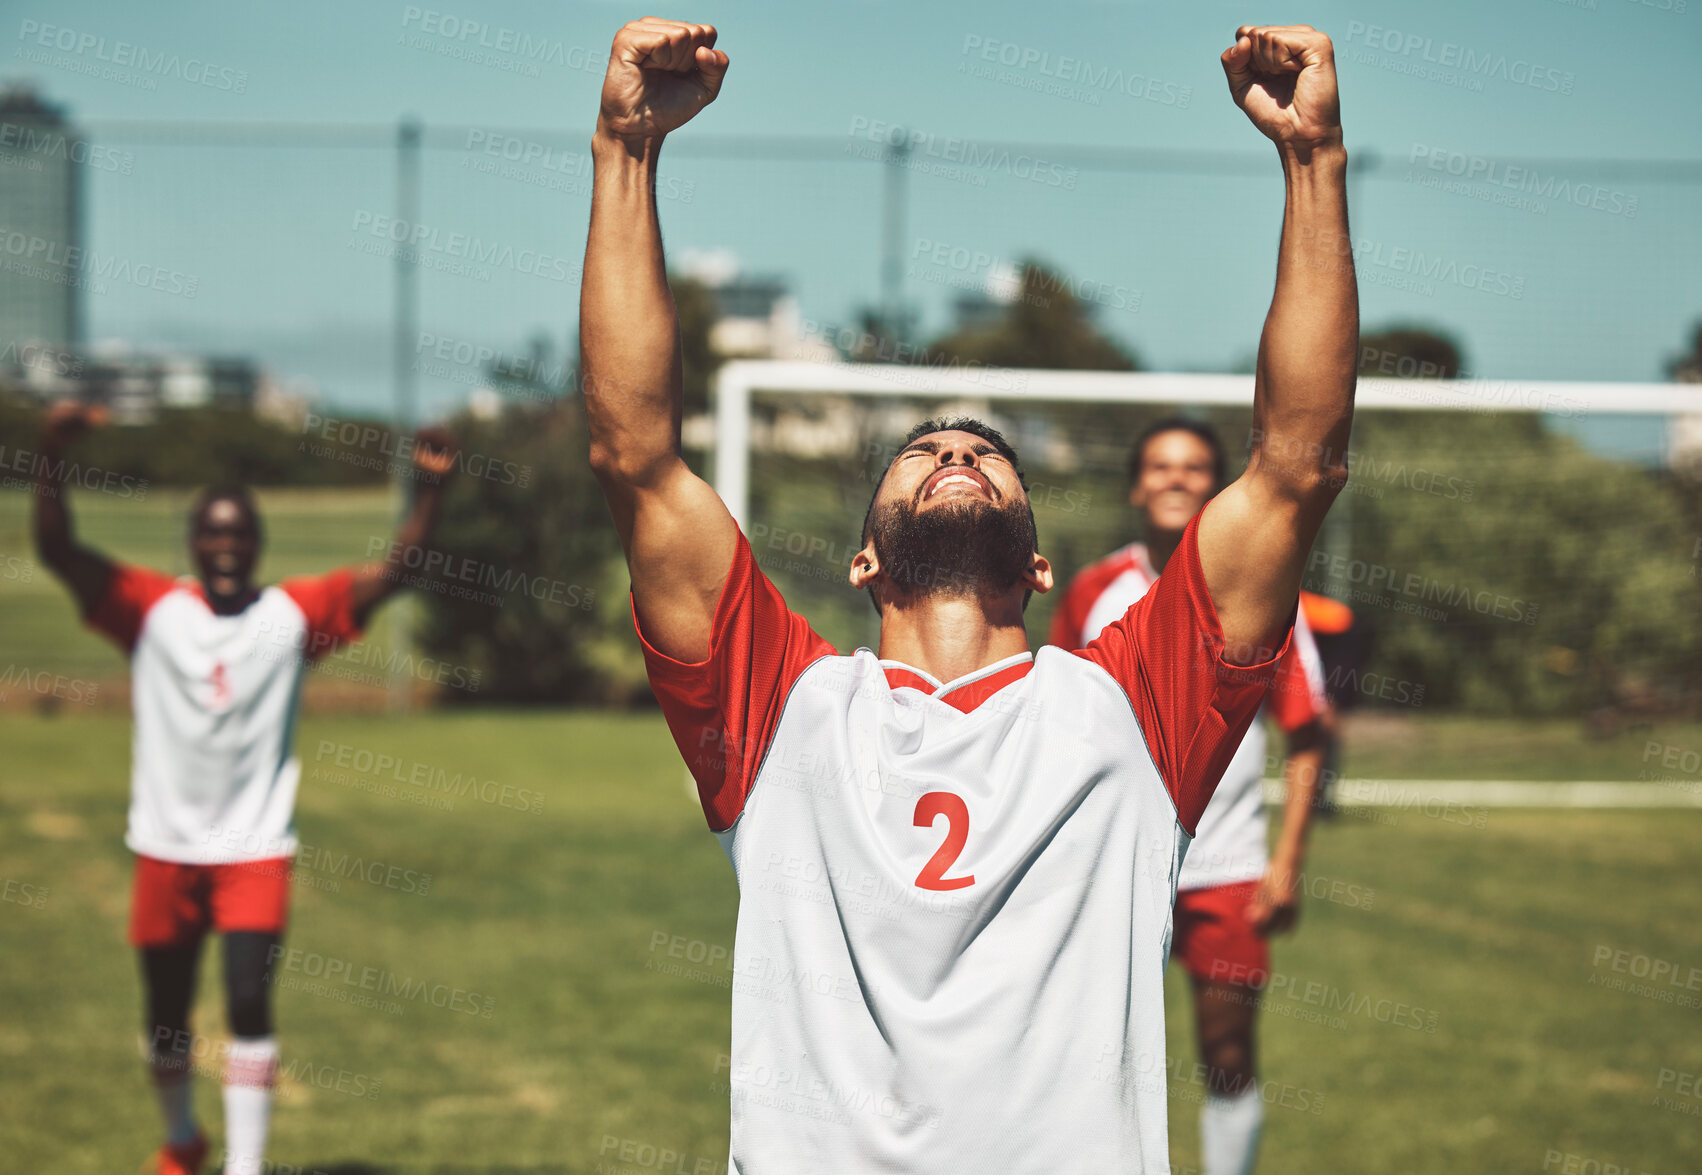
x: 1255, y: 535
x: 678, y: 536
x: 85, y: 571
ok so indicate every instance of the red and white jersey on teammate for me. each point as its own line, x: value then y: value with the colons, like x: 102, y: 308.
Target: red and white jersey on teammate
x: 1230, y: 844
x: 955, y: 897
x: 213, y: 774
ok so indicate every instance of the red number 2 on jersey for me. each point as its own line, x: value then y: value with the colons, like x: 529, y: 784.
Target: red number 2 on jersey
x: 956, y: 812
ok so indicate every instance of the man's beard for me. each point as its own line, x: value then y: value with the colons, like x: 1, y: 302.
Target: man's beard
x: 959, y: 548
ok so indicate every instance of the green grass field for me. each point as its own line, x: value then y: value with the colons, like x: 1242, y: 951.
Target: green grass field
x: 1442, y: 1008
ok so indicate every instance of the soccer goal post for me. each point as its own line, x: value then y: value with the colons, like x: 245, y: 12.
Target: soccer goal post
x: 739, y: 381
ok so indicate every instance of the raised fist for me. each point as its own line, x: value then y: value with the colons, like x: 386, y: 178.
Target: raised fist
x: 1284, y: 78
x: 435, y: 451
x: 661, y: 73
x: 66, y: 421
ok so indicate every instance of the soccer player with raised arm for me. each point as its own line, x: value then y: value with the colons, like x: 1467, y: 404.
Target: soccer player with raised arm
x: 956, y: 859
x: 217, y: 663
x: 1230, y: 895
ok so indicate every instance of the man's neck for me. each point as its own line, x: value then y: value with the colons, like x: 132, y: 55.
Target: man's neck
x: 952, y: 636
x: 1160, y: 545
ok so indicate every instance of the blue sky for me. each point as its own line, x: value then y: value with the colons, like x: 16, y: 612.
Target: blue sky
x: 1561, y: 271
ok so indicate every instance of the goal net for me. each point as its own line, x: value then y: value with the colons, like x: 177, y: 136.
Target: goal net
x: 1513, y: 547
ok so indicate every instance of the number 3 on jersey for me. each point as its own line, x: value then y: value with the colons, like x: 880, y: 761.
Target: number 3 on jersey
x: 956, y: 812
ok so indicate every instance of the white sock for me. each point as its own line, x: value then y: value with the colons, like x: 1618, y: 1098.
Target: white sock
x: 249, y: 1070
x: 1229, y: 1131
x: 172, y: 1086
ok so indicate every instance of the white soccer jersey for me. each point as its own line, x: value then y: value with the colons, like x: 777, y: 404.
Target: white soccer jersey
x: 955, y: 897
x: 1229, y: 846
x: 213, y: 777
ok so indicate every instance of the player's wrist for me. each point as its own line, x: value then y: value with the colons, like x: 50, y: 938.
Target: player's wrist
x: 1314, y: 156
x: 608, y: 147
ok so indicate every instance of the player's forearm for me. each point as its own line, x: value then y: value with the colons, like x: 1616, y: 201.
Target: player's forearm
x: 1300, y: 778
x: 628, y: 332
x: 1307, y: 356
x: 55, y: 537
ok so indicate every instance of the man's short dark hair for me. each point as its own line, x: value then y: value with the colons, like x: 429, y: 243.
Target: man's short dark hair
x: 1197, y: 428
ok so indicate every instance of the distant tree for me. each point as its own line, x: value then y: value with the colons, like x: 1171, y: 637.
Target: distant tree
x: 1409, y: 352
x: 1045, y: 325
x: 1687, y: 368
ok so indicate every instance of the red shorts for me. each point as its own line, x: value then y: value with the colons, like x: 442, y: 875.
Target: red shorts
x: 1213, y: 939
x: 174, y: 904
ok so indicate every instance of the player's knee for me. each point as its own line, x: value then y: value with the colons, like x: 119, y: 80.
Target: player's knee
x: 250, y: 1003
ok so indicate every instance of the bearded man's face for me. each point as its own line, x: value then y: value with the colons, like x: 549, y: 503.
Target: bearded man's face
x: 952, y: 518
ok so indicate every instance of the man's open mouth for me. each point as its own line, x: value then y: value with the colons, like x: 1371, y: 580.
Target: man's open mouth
x: 955, y: 475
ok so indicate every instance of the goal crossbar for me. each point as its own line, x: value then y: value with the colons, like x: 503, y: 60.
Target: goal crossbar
x: 737, y: 381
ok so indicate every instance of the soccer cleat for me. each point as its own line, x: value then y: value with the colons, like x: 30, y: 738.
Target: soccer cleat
x: 182, y: 1159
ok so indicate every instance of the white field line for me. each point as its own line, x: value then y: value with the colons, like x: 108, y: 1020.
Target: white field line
x: 1494, y: 793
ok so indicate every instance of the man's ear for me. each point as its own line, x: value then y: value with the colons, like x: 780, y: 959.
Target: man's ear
x: 1038, y: 577
x: 1136, y: 498
x: 865, y: 567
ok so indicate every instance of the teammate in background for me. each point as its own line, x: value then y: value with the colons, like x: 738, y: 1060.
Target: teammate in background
x: 956, y: 859
x: 1344, y: 645
x: 1230, y: 897
x: 216, y: 668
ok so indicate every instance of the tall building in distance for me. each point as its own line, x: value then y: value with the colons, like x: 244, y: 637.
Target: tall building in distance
x: 41, y: 219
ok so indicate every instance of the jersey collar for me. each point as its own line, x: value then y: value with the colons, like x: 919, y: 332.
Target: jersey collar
x: 962, y: 693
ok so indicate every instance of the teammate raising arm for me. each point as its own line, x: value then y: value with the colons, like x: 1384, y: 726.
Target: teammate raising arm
x: 216, y: 670
x: 971, y: 977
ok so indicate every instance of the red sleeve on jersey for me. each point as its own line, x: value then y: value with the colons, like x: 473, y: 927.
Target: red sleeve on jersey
x: 1084, y: 590
x: 328, y: 602
x: 723, y: 711
x: 1193, y: 706
x: 124, y: 605
x: 1297, y: 694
